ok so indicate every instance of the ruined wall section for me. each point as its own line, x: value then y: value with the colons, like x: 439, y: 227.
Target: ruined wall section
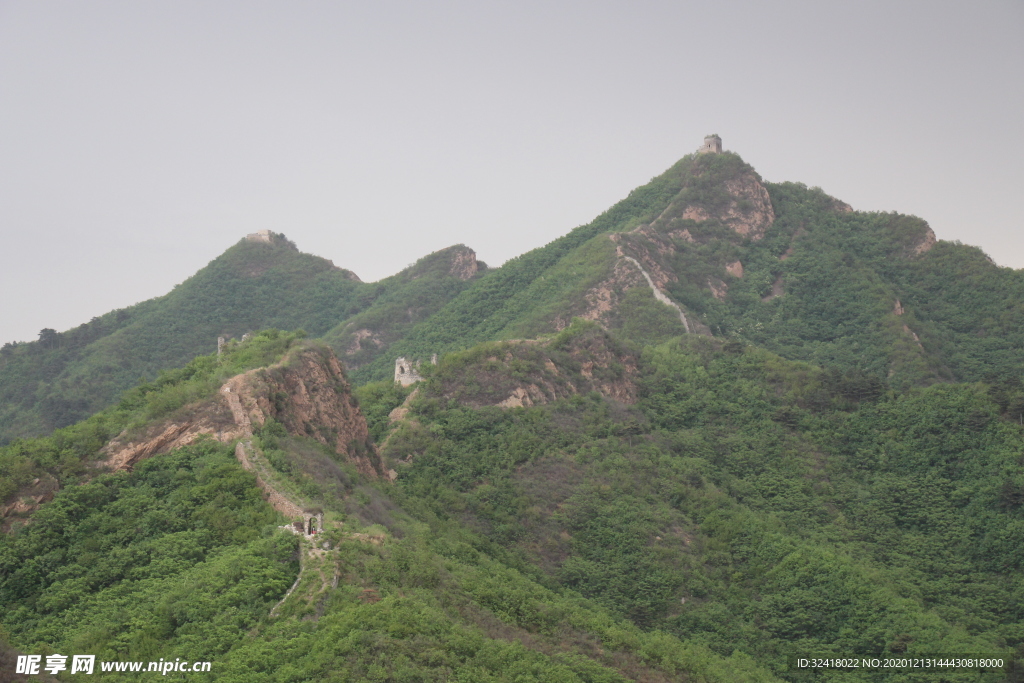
x: 712, y: 145
x: 307, y: 393
x: 310, y: 396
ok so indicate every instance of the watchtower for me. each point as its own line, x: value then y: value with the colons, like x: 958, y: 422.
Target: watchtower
x: 260, y: 236
x: 407, y: 371
x: 712, y: 145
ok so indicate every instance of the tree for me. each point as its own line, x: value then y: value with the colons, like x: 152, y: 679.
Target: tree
x: 49, y: 338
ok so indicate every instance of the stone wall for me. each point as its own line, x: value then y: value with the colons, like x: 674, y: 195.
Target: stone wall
x: 406, y: 371
x: 260, y: 236
x: 712, y: 145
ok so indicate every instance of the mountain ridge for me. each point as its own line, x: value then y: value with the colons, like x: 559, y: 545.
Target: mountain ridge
x: 733, y: 255
x: 608, y: 500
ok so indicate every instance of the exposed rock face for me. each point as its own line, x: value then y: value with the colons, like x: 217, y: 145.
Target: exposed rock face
x: 719, y: 289
x: 604, y: 297
x: 749, y: 211
x: 525, y: 373
x: 307, y: 393
x: 212, y: 418
x: 651, y: 249
x: 28, y: 499
x: 464, y: 264
x: 927, y: 243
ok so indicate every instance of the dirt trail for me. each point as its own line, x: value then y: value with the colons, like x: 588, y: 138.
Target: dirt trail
x: 659, y: 295
x: 248, y: 454
x: 278, y: 500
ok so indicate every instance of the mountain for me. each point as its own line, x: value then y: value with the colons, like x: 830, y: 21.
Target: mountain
x: 568, y: 508
x: 708, y: 247
x: 177, y: 513
x: 261, y: 282
x: 728, y: 496
x: 406, y: 299
x: 780, y: 266
x: 727, y: 425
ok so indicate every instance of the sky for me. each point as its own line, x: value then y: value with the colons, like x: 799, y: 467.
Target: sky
x: 138, y: 141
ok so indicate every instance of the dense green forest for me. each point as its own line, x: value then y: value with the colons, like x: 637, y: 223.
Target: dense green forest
x: 815, y: 449
x: 745, y: 510
x: 846, y: 289
x: 794, y: 510
x: 65, y: 377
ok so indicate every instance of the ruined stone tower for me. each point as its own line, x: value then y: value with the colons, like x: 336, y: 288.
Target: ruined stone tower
x: 406, y: 371
x: 712, y: 145
x: 260, y: 236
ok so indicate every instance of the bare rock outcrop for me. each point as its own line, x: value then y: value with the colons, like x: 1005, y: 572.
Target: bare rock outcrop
x: 749, y: 211
x: 604, y: 297
x: 464, y: 264
x: 926, y: 243
x: 524, y: 373
x: 307, y: 393
x: 212, y: 418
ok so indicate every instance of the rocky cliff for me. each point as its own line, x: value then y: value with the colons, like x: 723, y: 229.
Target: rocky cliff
x: 522, y: 373
x: 307, y: 393
x: 718, y: 191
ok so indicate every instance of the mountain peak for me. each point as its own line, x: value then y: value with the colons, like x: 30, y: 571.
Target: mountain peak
x: 712, y: 145
x: 270, y: 237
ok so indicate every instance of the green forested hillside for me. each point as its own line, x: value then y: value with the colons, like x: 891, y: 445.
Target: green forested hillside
x: 403, y: 300
x: 737, y: 510
x: 182, y: 558
x: 775, y: 264
x: 520, y: 298
x: 870, y: 292
x: 833, y: 299
x: 749, y: 504
x: 65, y: 377
x: 727, y: 424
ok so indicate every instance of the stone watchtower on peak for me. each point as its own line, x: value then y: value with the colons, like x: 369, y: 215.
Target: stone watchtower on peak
x: 260, y: 236
x: 712, y: 145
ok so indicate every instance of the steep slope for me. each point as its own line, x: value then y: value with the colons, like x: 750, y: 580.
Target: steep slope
x: 709, y: 248
x: 537, y: 292
x: 745, y: 502
x: 181, y: 553
x: 306, y: 393
x: 273, y: 381
x: 258, y: 283
x: 253, y: 285
x: 407, y: 298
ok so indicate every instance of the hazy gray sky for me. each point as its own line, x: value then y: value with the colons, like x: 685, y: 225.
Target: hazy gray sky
x: 138, y: 140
